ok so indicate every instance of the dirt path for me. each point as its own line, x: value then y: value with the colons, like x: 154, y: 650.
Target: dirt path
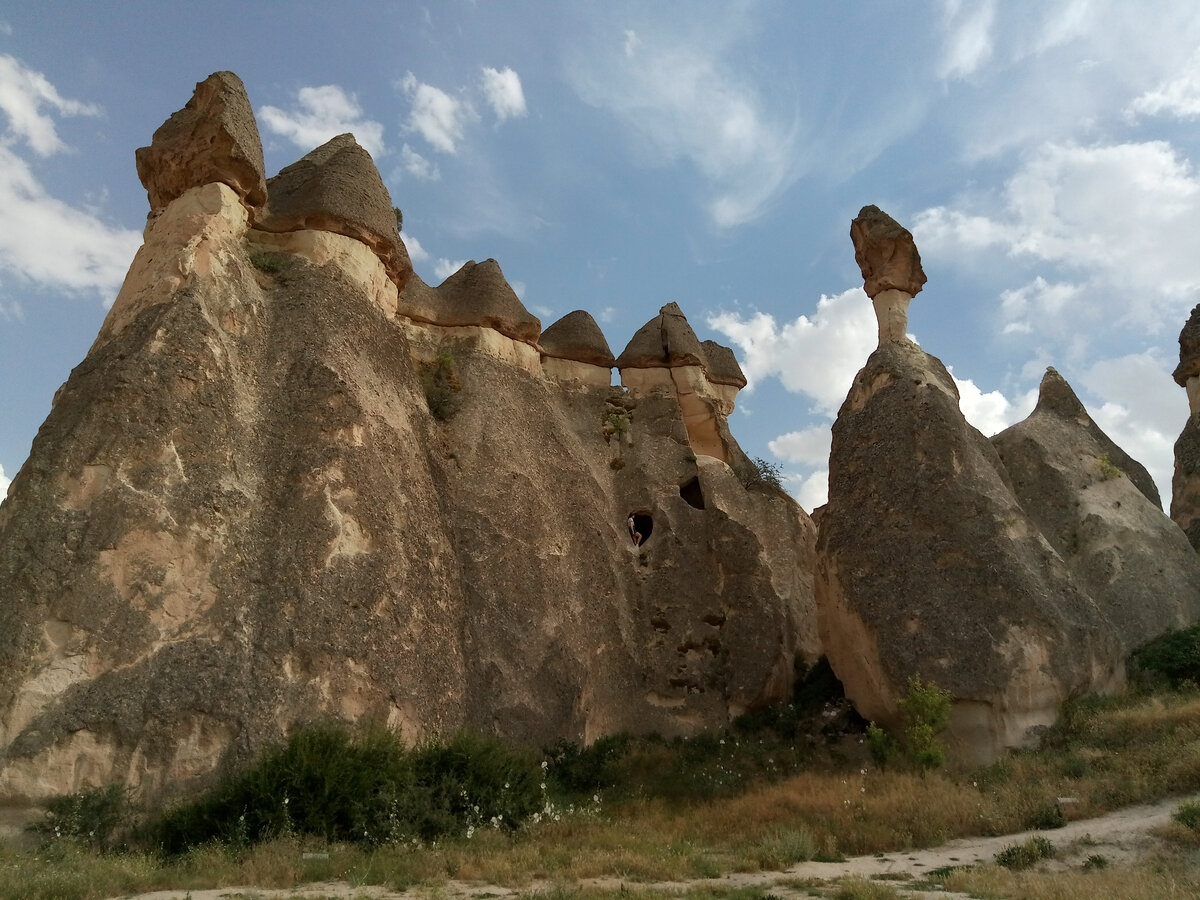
x: 1122, y: 837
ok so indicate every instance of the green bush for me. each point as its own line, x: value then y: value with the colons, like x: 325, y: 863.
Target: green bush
x: 1022, y: 856
x: 1188, y: 815
x: 442, y: 386
x: 1173, y: 657
x: 881, y: 745
x: 758, y: 474
x: 364, y: 787
x: 584, y: 770
x: 270, y: 261
x: 96, y: 818
x: 924, y: 714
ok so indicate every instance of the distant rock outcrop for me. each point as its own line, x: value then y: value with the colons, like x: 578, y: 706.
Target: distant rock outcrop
x: 575, y: 349
x: 1185, y: 483
x: 214, y: 138
x: 928, y: 566
x: 241, y: 514
x: 1099, y: 509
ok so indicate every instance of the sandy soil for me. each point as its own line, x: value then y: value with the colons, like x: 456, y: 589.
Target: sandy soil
x: 1122, y: 837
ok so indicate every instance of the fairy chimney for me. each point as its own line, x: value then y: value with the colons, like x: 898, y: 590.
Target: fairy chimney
x: 891, y: 268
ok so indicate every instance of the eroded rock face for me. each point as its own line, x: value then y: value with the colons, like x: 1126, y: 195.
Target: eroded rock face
x: 721, y: 365
x: 665, y: 341
x: 577, y: 337
x: 337, y: 188
x: 886, y: 254
x: 1185, y: 483
x: 1091, y: 502
x: 214, y: 138
x: 241, y: 515
x: 928, y: 565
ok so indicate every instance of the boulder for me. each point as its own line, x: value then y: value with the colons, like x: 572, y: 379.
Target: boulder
x: 885, y: 253
x: 927, y: 565
x: 214, y: 138
x: 665, y: 341
x: 577, y: 337
x: 721, y: 365
x: 1098, y: 508
x: 337, y: 188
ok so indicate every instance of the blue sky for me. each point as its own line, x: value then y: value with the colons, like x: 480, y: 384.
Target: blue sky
x: 617, y: 156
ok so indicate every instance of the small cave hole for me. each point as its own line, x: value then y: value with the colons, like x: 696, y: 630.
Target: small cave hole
x: 640, y: 526
x: 691, y: 492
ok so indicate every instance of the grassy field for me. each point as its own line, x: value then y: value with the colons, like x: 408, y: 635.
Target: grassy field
x: 745, y: 801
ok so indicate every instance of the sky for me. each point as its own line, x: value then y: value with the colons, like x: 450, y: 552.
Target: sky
x: 615, y: 157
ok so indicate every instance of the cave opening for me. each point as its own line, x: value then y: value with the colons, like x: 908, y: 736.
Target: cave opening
x: 641, y: 525
x: 690, y: 491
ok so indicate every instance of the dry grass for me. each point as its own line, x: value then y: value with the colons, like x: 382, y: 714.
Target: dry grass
x: 1108, y: 755
x: 1159, y: 879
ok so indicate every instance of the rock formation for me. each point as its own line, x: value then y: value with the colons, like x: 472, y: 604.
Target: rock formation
x: 891, y: 268
x: 574, y: 348
x: 1185, y: 483
x: 241, y: 514
x: 927, y: 564
x: 1100, y: 511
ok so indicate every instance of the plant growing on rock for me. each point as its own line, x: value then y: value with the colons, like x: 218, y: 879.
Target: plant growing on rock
x: 442, y: 386
x: 924, y: 714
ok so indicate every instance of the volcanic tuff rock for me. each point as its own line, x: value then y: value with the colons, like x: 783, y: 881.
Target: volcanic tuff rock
x: 891, y: 269
x: 665, y: 341
x: 1185, y: 483
x: 928, y: 566
x: 1099, y: 510
x: 214, y: 138
x: 241, y: 514
x: 721, y: 365
x: 576, y: 336
x: 336, y: 188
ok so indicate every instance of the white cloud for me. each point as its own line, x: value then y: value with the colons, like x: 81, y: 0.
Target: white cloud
x: 968, y: 27
x: 417, y: 165
x: 809, y: 446
x: 324, y: 112
x: 4, y: 483
x: 1112, y: 227
x: 416, y: 252
x: 435, y: 115
x: 503, y: 91
x: 681, y: 99
x: 991, y: 412
x: 817, y: 356
x: 810, y: 490
x: 47, y: 241
x: 608, y: 314
x: 1178, y: 96
x: 23, y: 94
x: 444, y: 268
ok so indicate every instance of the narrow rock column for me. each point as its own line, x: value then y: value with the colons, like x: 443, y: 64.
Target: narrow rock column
x: 1185, y: 484
x: 891, y: 269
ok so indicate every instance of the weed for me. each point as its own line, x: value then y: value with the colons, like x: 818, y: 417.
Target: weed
x: 1094, y: 862
x: 1107, y: 470
x: 1022, y: 856
x: 615, y: 422
x: 270, y: 261
x: 95, y: 818
x: 690, y: 456
x: 758, y: 474
x: 442, y: 386
x: 399, y: 218
x: 1047, y: 816
x: 881, y: 745
x: 1188, y: 815
x: 617, y: 463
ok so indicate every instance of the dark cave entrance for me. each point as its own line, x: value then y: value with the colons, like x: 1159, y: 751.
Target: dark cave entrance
x: 640, y: 527
x: 690, y: 492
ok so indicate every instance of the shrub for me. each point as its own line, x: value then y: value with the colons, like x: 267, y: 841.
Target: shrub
x: 1048, y: 816
x: 925, y: 713
x: 881, y: 745
x: 364, y: 787
x: 442, y: 386
x: 399, y: 218
x: 1022, y: 856
x: 583, y: 770
x: 1173, y: 657
x: 97, y: 817
x: 761, y: 475
x: 270, y: 261
x: 1188, y: 815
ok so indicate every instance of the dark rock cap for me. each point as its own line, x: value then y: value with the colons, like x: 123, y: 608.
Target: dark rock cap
x: 576, y: 336
x: 213, y: 138
x: 1056, y: 397
x: 337, y: 188
x: 1189, y: 349
x: 722, y: 365
x: 665, y: 341
x: 885, y: 253
x: 477, y: 294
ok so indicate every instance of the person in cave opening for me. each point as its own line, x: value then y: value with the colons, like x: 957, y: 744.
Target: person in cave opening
x: 634, y: 534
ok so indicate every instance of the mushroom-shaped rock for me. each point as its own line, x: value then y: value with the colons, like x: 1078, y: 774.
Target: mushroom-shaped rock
x: 214, y: 138
x: 665, y: 341
x: 478, y: 294
x: 1185, y: 483
x: 891, y: 268
x: 337, y: 188
x: 577, y: 337
x: 1189, y: 359
x: 1099, y: 509
x: 722, y: 365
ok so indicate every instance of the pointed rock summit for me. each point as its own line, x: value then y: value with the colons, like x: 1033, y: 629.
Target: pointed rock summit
x: 1100, y: 511
x: 214, y: 138
x: 665, y: 341
x: 1185, y: 483
x: 891, y: 268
